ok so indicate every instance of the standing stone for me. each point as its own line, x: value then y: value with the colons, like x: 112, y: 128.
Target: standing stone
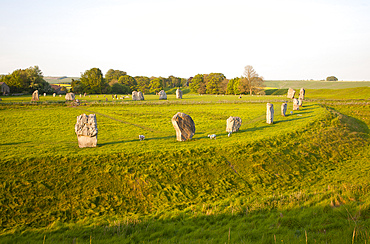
x: 295, y: 104
x: 70, y: 96
x: 54, y: 94
x: 44, y: 94
x: 184, y: 126
x: 135, y: 96
x: 141, y: 96
x: 35, y: 96
x: 86, y: 130
x: 233, y: 124
x: 284, y: 107
x: 300, y: 102
x: 178, y: 94
x: 291, y: 93
x: 162, y: 95
x: 270, y: 113
x: 302, y: 92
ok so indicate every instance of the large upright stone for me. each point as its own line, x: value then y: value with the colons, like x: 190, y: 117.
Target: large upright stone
x: 270, y: 113
x: 178, y: 94
x: 184, y: 126
x: 86, y: 130
x: 302, y: 92
x: 140, y: 95
x: 295, y: 104
x: 35, y: 96
x: 162, y: 95
x: 70, y: 96
x: 233, y: 124
x: 135, y: 96
x: 284, y: 107
x: 291, y: 93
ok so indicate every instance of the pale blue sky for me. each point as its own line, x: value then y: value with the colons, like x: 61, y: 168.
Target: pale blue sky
x: 285, y: 39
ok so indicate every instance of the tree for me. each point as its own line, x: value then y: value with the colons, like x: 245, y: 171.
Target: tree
x: 156, y: 85
x: 250, y: 81
x: 93, y: 82
x: 196, y: 83
x: 128, y: 81
x: 230, y: 86
x: 142, y: 83
x: 213, y: 82
x: 114, y: 75
x: 27, y: 80
x: 331, y: 78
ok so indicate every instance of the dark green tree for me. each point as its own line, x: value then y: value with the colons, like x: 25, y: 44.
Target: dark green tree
x: 27, y: 80
x: 196, y: 83
x: 156, y: 85
x: 331, y: 78
x: 114, y: 75
x: 143, y: 83
x: 93, y: 81
x: 128, y: 81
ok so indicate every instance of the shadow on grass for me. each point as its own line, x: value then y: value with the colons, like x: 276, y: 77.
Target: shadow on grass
x: 13, y: 143
x: 133, y: 140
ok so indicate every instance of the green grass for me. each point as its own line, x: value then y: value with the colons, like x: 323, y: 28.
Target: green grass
x: 315, y: 84
x: 305, y: 176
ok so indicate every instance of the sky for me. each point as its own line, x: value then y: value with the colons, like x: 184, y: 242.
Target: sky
x: 282, y: 40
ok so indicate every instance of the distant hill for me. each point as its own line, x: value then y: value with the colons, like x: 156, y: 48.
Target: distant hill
x: 314, y: 84
x: 60, y: 80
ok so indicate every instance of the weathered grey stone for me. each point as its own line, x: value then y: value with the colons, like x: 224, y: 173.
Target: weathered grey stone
x: 86, y: 130
x: 35, y: 96
x: 178, y: 94
x: 295, y: 104
x: 233, y: 124
x: 291, y: 93
x: 270, y: 113
x: 135, y: 96
x: 284, y: 107
x: 302, y: 92
x: 184, y: 126
x: 70, y: 96
x: 162, y: 95
x: 141, y: 96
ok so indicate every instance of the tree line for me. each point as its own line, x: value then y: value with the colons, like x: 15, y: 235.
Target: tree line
x: 119, y: 82
x: 26, y: 81
x: 93, y: 81
x: 216, y: 83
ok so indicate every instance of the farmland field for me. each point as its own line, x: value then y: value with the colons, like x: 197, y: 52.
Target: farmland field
x: 303, y: 179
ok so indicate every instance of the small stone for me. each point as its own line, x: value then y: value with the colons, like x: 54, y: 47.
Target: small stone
x: 295, y: 104
x: 270, y: 113
x: 44, y: 94
x: 54, y: 94
x: 284, y: 107
x: 162, y: 95
x: 291, y: 93
x: 178, y: 94
x: 184, y: 126
x: 70, y: 96
x: 141, y: 96
x: 35, y: 96
x: 233, y: 124
x: 300, y: 102
x: 302, y: 92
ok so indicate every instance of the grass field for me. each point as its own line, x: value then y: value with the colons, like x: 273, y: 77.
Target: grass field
x: 303, y: 179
